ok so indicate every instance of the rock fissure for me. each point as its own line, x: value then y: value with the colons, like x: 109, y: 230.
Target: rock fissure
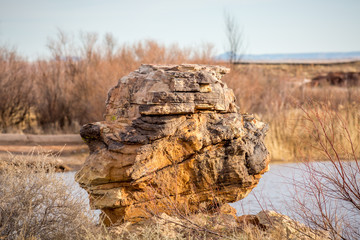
x: 172, y: 165
x: 172, y: 134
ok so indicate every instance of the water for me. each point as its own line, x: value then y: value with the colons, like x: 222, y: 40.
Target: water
x: 275, y: 190
x: 278, y: 189
x: 76, y: 190
x: 69, y: 178
x: 272, y: 192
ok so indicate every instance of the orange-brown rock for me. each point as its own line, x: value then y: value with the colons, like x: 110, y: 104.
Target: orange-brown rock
x: 172, y: 140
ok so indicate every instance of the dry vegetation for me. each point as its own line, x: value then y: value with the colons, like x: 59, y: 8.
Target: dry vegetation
x: 35, y: 203
x: 69, y: 89
x: 327, y: 196
x: 277, y: 94
x: 60, y: 94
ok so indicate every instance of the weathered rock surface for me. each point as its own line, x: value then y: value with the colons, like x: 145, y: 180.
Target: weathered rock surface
x: 173, y: 140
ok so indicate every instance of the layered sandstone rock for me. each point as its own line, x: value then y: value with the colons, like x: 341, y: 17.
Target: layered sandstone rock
x: 173, y: 140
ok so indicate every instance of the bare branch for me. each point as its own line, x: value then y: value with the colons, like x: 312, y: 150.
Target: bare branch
x: 234, y: 38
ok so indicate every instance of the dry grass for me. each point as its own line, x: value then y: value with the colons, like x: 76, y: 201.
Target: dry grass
x: 290, y: 138
x: 277, y: 94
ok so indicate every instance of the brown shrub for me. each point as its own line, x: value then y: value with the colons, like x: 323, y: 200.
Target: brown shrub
x: 35, y: 203
x: 70, y: 88
x: 15, y: 90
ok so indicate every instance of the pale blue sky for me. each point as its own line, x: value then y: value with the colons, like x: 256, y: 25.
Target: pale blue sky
x: 269, y: 26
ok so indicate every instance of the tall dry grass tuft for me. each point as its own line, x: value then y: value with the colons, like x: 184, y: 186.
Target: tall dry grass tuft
x: 291, y: 139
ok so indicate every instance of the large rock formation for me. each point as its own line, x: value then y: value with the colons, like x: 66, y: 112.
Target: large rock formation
x: 173, y: 140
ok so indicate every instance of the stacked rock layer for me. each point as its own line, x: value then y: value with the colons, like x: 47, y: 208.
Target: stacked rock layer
x: 172, y: 140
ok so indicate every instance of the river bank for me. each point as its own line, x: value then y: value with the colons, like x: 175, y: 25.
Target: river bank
x: 69, y: 149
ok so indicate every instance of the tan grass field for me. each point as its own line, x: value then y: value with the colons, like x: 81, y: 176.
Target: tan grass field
x: 279, y: 95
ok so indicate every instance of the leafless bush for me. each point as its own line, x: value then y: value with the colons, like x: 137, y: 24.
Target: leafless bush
x: 15, y: 89
x: 35, y: 203
x: 331, y: 190
x: 72, y: 86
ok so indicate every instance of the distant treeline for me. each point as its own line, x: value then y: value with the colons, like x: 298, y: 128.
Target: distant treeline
x: 70, y: 88
x: 59, y: 94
